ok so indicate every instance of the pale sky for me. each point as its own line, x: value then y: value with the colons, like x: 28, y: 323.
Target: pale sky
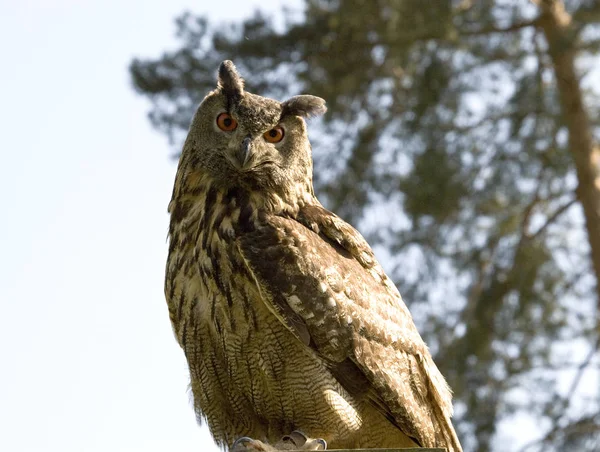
x: 88, y: 359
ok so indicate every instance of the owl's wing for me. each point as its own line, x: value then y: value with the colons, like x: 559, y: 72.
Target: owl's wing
x: 320, y: 277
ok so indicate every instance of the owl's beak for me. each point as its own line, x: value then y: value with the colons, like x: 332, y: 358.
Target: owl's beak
x: 245, y: 152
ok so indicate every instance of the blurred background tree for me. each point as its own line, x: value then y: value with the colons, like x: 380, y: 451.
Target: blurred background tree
x: 462, y: 139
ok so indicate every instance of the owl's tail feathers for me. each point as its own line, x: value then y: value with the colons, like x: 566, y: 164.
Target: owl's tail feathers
x: 442, y: 396
x: 452, y: 442
x: 445, y: 433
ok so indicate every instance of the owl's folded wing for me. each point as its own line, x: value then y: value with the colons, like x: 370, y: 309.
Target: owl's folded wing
x: 319, y: 276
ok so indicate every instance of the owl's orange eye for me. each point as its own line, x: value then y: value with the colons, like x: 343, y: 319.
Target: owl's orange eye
x: 274, y: 135
x: 226, y: 122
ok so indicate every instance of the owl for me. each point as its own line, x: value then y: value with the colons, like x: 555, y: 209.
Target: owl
x: 294, y: 335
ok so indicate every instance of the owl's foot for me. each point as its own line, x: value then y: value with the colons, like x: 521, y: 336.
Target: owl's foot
x: 294, y: 441
x: 299, y: 441
x: 245, y: 444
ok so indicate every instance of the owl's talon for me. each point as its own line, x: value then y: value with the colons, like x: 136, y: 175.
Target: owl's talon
x: 247, y: 444
x: 297, y: 440
x: 242, y: 440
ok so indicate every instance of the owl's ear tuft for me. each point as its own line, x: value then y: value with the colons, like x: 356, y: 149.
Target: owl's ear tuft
x: 229, y: 81
x: 305, y: 106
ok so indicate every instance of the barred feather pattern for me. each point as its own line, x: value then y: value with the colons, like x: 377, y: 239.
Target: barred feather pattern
x: 286, y: 319
x: 250, y: 375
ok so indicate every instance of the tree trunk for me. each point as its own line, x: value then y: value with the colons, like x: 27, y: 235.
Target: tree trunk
x: 555, y: 23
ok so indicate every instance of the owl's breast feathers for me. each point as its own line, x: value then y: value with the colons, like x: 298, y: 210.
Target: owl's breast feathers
x: 318, y: 277
x: 203, y: 259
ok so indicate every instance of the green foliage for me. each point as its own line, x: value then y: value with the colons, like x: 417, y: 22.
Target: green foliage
x: 434, y: 186
x: 446, y: 114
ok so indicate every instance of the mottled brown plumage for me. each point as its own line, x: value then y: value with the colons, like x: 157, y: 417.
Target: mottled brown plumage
x: 286, y: 318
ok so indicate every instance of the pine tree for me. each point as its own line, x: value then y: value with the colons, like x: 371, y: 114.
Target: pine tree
x: 463, y: 139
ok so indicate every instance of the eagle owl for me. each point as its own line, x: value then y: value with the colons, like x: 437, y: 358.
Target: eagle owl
x: 287, y: 321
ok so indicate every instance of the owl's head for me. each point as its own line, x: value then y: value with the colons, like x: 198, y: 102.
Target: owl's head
x: 240, y: 139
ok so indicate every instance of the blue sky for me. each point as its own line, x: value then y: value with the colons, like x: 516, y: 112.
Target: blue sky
x: 89, y: 362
